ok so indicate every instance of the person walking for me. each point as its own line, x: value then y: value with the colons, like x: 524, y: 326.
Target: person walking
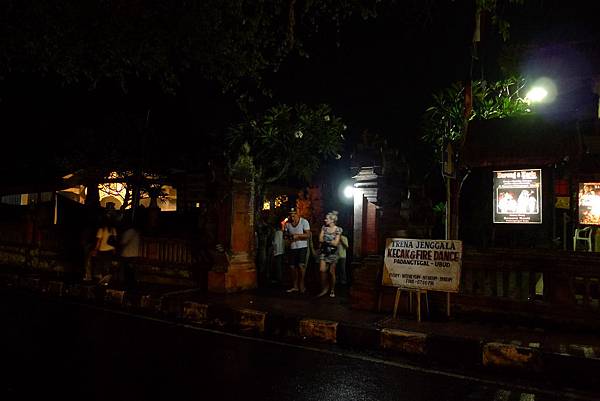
x: 329, y: 238
x: 129, y: 250
x: 297, y: 232
x: 105, y: 249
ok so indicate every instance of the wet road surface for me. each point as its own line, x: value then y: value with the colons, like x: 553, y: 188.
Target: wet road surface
x: 59, y: 350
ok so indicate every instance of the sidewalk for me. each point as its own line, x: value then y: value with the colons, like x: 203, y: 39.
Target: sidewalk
x: 272, y: 313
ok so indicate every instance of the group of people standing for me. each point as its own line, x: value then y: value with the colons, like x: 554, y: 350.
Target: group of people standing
x: 331, y: 253
x: 109, y: 255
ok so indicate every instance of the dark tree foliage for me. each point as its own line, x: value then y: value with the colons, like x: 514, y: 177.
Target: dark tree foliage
x: 223, y: 41
x: 227, y: 46
x: 286, y: 142
x: 231, y: 45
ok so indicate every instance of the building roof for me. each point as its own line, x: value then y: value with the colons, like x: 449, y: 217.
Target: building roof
x: 520, y: 141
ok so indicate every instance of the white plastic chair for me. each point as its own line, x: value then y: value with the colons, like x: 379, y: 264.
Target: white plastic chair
x: 584, y: 235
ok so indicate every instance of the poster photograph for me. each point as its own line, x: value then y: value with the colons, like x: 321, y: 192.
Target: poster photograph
x: 589, y: 203
x: 422, y: 264
x: 517, y: 196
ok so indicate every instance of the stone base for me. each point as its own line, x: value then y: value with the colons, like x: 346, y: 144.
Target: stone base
x: 409, y: 342
x: 320, y: 330
x: 232, y: 281
x: 510, y: 355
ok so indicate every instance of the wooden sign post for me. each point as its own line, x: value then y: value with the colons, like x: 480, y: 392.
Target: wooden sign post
x: 410, y: 296
x: 419, y: 266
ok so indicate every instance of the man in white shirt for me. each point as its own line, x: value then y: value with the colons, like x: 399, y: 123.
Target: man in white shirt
x: 129, y: 251
x: 297, y: 232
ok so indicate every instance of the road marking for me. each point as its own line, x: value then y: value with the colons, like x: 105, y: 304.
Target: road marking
x: 502, y: 395
x: 588, y: 352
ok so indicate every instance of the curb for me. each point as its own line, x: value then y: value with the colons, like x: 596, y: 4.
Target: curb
x: 250, y: 320
x: 354, y: 336
x: 56, y: 288
x: 584, y: 369
x: 405, y: 341
x: 116, y: 297
x: 501, y: 355
x: 457, y: 351
x: 580, y: 360
x: 324, y: 331
x: 195, y: 312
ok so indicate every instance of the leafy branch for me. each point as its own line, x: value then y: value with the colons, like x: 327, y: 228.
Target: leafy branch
x: 285, y: 142
x: 443, y: 120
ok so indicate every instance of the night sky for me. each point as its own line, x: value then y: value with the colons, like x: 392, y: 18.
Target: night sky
x: 378, y: 74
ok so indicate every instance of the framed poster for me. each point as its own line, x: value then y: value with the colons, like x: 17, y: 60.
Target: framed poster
x: 589, y: 203
x: 518, y: 196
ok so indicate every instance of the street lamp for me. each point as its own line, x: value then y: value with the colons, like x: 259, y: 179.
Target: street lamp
x: 346, y: 190
x: 349, y: 192
x: 542, y: 91
x: 537, y: 94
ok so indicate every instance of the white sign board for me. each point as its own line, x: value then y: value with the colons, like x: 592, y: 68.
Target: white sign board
x: 422, y: 264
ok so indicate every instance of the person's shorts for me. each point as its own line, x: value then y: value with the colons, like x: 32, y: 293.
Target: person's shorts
x: 297, y: 257
x: 333, y: 258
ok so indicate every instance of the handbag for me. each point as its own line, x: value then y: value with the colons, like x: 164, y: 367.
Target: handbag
x: 327, y: 249
x: 112, y: 240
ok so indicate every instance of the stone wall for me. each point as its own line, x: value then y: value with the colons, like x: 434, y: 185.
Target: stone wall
x: 35, y: 260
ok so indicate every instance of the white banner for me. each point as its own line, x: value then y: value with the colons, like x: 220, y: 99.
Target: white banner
x: 422, y: 264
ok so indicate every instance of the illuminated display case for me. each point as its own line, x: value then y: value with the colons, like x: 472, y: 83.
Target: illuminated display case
x: 518, y: 196
x: 589, y: 203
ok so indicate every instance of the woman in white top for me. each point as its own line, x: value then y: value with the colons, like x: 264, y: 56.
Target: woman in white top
x: 104, y: 251
x: 329, y: 239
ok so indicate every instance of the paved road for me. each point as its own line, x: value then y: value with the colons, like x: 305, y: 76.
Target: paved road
x: 59, y: 350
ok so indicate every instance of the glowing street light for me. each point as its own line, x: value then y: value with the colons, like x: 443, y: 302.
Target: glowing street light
x: 542, y: 91
x: 537, y: 94
x: 349, y: 191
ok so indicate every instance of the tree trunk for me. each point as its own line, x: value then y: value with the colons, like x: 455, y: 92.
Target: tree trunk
x: 454, y: 184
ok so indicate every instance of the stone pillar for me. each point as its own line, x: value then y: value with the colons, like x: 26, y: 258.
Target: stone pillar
x: 359, y: 201
x: 365, y: 213
x: 366, y: 277
x: 237, y: 271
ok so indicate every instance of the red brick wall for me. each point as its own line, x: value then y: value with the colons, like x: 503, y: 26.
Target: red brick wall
x: 370, y: 239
